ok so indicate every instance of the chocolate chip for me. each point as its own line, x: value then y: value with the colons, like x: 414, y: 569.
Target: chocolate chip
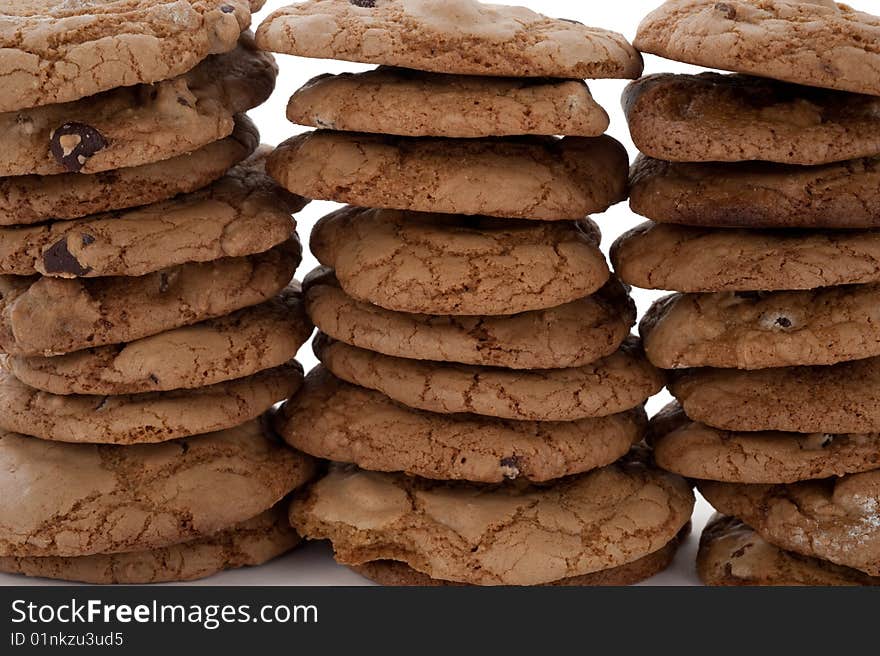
x: 58, y: 259
x: 154, y: 378
x: 102, y: 403
x: 227, y: 9
x: 163, y: 282
x: 783, y: 322
x: 510, y: 466
x: 826, y: 440
x: 74, y: 143
x: 88, y: 240
x: 728, y: 11
x: 369, y: 4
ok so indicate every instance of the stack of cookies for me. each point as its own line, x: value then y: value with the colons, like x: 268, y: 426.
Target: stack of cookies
x: 479, y: 390
x: 763, y: 196
x: 147, y: 318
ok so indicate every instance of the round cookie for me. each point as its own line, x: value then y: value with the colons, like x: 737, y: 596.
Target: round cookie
x: 569, y: 335
x: 449, y: 36
x: 101, y: 311
x: 759, y: 330
x: 396, y: 573
x: 46, y: 46
x: 758, y: 194
x: 249, y: 543
x: 28, y: 199
x: 619, y: 382
x: 695, y: 450
x: 843, y: 398
x: 500, y: 535
x: 79, y: 499
x: 733, y: 554
x: 687, y: 259
x: 133, y: 126
x: 411, y: 103
x: 813, y: 42
x: 734, y: 118
x: 446, y: 264
x: 241, y: 214
x: 226, y: 348
x: 143, y: 418
x: 542, y: 178
x: 337, y: 421
x: 835, y: 519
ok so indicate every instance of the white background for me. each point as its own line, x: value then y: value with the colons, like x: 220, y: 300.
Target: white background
x: 313, y: 564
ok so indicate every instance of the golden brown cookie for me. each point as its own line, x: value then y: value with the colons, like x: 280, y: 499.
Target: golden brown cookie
x: 497, y: 535
x: 696, y: 450
x: 843, y: 398
x: 569, y: 335
x: 686, y: 259
x: 249, y: 543
x: 813, y: 42
x: 416, y: 104
x: 619, y: 382
x: 759, y: 330
x: 142, y: 418
x: 542, y: 178
x: 457, y: 265
x: 733, y: 554
x: 836, y: 519
x: 83, y: 499
x: 214, y: 351
x: 735, y: 118
x: 449, y: 36
x: 335, y: 420
x: 40, y: 315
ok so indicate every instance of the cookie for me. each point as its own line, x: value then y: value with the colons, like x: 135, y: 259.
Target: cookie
x: 241, y: 214
x: 498, y: 535
x: 227, y: 348
x: 252, y: 542
x: 817, y: 42
x: 758, y: 194
x: 835, y: 519
x: 46, y: 46
x: 733, y: 118
x: 695, y: 450
x: 28, y: 199
x: 396, y: 573
x: 142, y: 418
x: 133, y: 126
x: 843, y: 398
x: 335, y: 420
x: 733, y: 554
x: 619, y: 382
x: 688, y: 259
x: 83, y: 499
x: 569, y: 335
x: 411, y: 103
x: 447, y: 264
x: 541, y: 178
x: 759, y: 330
x: 449, y: 36
x: 45, y: 316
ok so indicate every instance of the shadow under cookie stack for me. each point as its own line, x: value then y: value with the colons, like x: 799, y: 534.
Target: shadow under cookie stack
x: 146, y: 312
x: 762, y: 193
x: 479, y: 391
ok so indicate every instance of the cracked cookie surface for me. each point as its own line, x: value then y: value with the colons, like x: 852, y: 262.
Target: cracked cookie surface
x: 816, y: 42
x: 412, y: 103
x: 78, y: 500
x: 142, y: 418
x: 696, y: 450
x: 689, y: 259
x: 569, y: 335
x: 226, y: 348
x: 456, y: 265
x: 338, y: 421
x: 540, y: 178
x: 497, y: 535
x: 614, y: 384
x: 57, y: 52
x: 449, y: 36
